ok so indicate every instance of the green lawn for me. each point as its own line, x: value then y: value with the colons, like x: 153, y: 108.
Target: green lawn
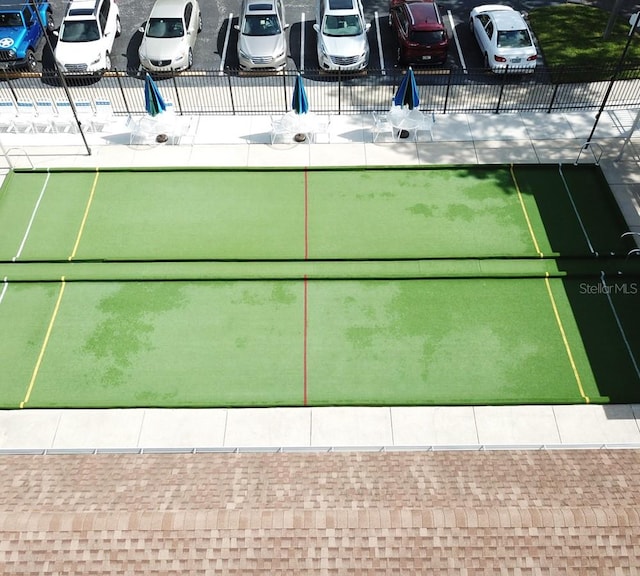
x: 570, y: 36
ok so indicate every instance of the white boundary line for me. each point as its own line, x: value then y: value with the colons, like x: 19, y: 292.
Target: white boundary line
x: 575, y: 209
x: 223, y: 56
x: 33, y: 216
x: 379, y: 39
x: 5, y: 285
x: 455, y: 37
x: 607, y: 292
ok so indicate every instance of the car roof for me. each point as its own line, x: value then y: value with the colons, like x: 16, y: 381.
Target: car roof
x: 259, y: 7
x: 167, y: 8
x: 508, y: 20
x: 337, y: 6
x: 423, y: 15
x: 341, y: 4
x: 81, y: 7
x: 505, y: 17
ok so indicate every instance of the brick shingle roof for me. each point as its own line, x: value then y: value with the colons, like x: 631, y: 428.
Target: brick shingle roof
x: 440, y: 513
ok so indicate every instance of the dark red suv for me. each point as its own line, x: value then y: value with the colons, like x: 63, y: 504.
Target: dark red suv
x: 422, y: 37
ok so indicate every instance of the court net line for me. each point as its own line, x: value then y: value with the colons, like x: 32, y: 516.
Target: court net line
x: 299, y: 269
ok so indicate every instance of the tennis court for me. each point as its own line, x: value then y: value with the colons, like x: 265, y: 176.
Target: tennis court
x: 192, y: 288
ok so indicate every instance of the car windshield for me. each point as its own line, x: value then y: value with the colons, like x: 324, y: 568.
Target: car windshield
x: 261, y: 25
x: 10, y: 20
x: 165, y: 28
x: 427, y: 37
x: 80, y: 31
x: 514, y: 39
x: 348, y: 25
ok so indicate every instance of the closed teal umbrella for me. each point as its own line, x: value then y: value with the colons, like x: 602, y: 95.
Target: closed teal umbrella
x: 153, y: 102
x: 407, y: 91
x: 300, y: 102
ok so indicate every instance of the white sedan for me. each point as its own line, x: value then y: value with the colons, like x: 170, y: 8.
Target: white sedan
x: 169, y: 36
x: 504, y: 39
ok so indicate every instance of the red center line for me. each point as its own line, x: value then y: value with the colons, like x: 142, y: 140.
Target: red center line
x: 306, y: 215
x: 305, y: 284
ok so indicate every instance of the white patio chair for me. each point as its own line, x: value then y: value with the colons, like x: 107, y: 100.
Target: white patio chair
x: 103, y: 115
x: 7, y: 115
x: 84, y: 110
x: 426, y: 126
x: 46, y: 113
x: 144, y: 130
x: 382, y: 128
x: 280, y: 130
x: 322, y: 128
x: 26, y: 116
x: 64, y: 120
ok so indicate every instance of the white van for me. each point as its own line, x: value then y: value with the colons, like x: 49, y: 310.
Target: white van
x: 342, y: 35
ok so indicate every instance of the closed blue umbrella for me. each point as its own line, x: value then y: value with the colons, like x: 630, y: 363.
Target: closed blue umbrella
x: 153, y: 102
x: 300, y: 103
x: 407, y: 91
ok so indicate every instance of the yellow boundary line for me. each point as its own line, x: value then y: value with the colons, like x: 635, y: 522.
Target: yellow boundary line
x: 565, y: 339
x: 36, y: 369
x: 86, y: 215
x: 526, y: 214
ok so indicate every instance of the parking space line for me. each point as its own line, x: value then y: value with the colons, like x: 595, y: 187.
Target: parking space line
x: 455, y: 37
x: 302, y: 29
x: 223, y: 56
x: 378, y: 37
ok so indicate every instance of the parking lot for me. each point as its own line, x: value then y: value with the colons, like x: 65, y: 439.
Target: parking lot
x: 216, y: 44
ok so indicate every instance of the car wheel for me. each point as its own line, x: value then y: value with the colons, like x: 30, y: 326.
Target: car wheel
x: 32, y: 62
x: 190, y: 58
x: 51, y: 24
x: 118, y: 27
x: 200, y: 23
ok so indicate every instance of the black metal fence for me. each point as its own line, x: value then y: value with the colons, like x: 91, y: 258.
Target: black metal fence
x: 207, y: 92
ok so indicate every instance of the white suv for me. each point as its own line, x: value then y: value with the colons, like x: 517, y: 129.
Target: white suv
x: 86, y: 36
x: 342, y: 35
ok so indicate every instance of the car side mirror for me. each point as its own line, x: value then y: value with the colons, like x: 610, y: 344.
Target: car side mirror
x: 367, y: 27
x: 286, y: 26
x: 316, y: 27
x: 236, y: 27
x: 56, y: 33
x: 141, y: 29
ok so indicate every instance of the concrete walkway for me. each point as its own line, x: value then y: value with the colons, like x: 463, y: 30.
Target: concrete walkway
x: 245, y: 142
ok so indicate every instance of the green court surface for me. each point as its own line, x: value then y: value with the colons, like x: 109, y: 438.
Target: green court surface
x: 171, y: 288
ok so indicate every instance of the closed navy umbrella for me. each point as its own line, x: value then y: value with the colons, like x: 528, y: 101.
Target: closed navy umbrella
x: 407, y: 93
x: 300, y: 102
x: 153, y: 102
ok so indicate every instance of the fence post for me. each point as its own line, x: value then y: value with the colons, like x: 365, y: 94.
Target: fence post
x: 233, y: 104
x: 504, y: 79
x: 175, y: 87
x: 13, y: 92
x: 553, y: 98
x: 124, y: 98
x: 446, y: 94
x: 284, y: 90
